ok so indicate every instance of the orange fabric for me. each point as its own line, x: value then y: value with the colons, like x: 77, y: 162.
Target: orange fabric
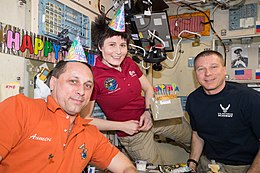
x: 33, y: 134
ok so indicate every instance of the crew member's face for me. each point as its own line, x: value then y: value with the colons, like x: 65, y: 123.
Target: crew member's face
x: 114, y: 50
x: 210, y: 73
x: 72, y: 90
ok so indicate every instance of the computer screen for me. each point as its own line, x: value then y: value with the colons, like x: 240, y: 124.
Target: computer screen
x: 157, y: 23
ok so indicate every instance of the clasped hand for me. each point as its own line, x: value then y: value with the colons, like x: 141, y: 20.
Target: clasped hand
x: 144, y: 124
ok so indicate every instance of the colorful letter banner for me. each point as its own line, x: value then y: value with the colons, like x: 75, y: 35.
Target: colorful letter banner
x: 19, y: 42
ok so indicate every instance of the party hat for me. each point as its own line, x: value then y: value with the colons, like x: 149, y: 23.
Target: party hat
x: 118, y: 21
x: 76, y: 52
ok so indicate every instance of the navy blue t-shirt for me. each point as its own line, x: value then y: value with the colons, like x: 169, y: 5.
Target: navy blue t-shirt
x: 228, y: 122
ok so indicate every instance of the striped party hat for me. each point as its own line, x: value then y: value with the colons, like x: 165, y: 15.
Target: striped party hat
x: 118, y: 21
x: 76, y: 52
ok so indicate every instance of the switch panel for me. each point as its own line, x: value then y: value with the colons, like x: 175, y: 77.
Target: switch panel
x: 243, y: 17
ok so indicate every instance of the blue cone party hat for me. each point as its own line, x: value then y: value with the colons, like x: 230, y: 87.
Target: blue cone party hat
x: 118, y: 21
x: 76, y: 52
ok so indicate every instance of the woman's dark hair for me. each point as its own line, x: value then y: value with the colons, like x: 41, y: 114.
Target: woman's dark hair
x: 101, y: 31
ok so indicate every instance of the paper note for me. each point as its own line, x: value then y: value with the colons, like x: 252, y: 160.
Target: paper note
x: 8, y: 90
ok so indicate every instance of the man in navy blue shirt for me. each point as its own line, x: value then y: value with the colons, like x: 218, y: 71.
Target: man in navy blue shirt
x: 224, y: 118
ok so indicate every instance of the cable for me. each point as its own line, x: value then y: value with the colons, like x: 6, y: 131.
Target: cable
x: 174, y: 64
x: 178, y: 44
x: 99, y: 8
x: 215, y: 8
x: 212, y: 28
x: 150, y: 33
x: 142, y: 62
x: 144, y: 54
x: 109, y: 10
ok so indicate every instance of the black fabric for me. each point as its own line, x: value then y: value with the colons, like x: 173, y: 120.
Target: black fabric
x: 227, y: 122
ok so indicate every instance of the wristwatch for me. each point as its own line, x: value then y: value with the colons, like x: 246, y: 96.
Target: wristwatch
x: 193, y: 161
x: 147, y: 109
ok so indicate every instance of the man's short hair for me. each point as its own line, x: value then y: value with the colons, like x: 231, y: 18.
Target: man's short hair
x: 208, y: 53
x: 61, y: 67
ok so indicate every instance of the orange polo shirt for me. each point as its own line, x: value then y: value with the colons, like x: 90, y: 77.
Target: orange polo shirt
x: 34, y: 138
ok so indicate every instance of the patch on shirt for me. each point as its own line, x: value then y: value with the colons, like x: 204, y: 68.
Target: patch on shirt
x: 110, y: 84
x: 84, y: 151
x: 225, y: 112
x: 132, y: 73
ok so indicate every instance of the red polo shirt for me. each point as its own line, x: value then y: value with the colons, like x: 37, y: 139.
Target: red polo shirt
x: 119, y: 93
x: 34, y: 138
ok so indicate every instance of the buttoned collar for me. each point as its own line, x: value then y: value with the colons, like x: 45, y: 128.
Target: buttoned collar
x: 53, y: 107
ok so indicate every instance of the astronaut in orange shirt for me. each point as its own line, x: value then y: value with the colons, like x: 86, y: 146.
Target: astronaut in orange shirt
x: 38, y: 136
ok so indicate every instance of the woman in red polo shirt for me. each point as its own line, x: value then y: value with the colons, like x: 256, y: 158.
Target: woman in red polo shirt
x: 118, y: 88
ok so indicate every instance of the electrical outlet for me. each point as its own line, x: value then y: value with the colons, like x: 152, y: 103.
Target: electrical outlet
x: 191, y: 62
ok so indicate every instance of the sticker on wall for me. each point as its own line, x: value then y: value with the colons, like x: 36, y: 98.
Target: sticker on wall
x: 257, y: 74
x: 257, y: 26
x: 239, y: 57
x: 243, y: 74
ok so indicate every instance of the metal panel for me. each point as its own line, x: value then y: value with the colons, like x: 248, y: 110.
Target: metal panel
x: 243, y: 17
x: 55, y: 16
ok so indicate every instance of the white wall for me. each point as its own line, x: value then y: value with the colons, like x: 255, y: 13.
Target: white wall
x: 13, y: 66
x: 221, y: 18
x: 26, y: 17
x: 14, y: 14
x: 235, y: 37
x: 181, y: 74
x: 11, y: 69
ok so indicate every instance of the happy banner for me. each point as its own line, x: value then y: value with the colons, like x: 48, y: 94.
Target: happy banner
x: 19, y: 42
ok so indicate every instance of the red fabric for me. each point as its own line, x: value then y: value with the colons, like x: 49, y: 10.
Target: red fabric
x: 119, y: 93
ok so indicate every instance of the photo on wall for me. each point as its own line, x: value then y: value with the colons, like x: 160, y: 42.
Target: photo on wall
x: 239, y: 57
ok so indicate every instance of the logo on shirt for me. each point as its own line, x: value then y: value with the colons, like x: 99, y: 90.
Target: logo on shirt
x: 225, y: 113
x: 84, y: 151
x: 110, y: 84
x: 132, y: 73
x: 40, y: 138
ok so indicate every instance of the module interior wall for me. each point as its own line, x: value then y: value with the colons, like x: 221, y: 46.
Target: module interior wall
x: 221, y: 22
